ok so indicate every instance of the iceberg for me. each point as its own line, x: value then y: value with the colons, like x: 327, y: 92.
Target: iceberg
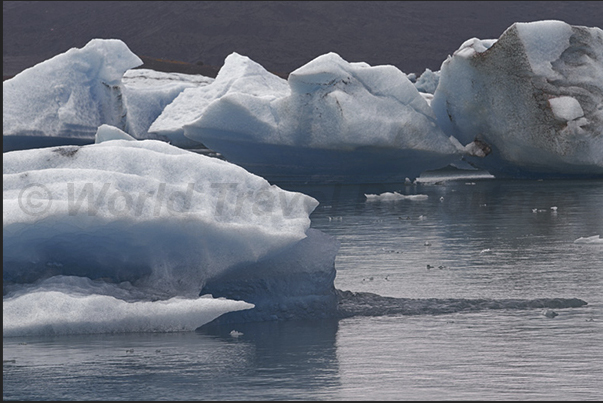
x: 529, y: 103
x: 76, y: 305
x: 147, y: 93
x: 330, y: 122
x: 68, y: 96
x: 63, y: 100
x: 238, y: 74
x: 144, y: 222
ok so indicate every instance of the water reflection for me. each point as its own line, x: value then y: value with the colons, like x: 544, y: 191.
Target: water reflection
x: 297, y: 359
x: 266, y: 361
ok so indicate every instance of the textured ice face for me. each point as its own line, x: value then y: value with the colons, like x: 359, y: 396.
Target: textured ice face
x: 327, y: 103
x: 148, y: 92
x: 239, y: 74
x: 427, y: 83
x: 70, y: 94
x: 140, y: 211
x: 64, y: 99
x: 533, y: 98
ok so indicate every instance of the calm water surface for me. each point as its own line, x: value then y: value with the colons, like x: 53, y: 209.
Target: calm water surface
x: 471, y: 238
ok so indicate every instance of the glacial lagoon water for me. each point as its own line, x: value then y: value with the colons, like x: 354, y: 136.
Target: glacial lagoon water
x: 470, y: 238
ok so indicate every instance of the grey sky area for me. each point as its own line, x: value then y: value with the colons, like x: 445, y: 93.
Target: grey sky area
x: 281, y: 36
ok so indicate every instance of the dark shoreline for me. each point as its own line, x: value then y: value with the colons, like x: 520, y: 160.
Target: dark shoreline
x: 279, y: 35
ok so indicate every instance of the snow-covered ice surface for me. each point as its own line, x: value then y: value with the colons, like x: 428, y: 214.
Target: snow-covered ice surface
x: 525, y: 105
x: 531, y: 100
x: 315, y: 126
x: 146, y: 221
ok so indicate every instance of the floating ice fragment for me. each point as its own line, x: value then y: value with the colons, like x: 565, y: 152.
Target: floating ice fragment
x: 108, y: 132
x: 566, y: 108
x: 589, y: 239
x: 392, y: 196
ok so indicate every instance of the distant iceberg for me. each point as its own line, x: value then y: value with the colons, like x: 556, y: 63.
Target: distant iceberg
x: 69, y: 95
x: 63, y: 100
x: 531, y: 101
x: 146, y: 221
x: 332, y: 121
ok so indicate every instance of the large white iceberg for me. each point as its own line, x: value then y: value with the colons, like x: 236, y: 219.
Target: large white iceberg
x: 332, y: 121
x: 531, y: 101
x: 151, y: 221
x: 64, y: 99
x: 69, y: 95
